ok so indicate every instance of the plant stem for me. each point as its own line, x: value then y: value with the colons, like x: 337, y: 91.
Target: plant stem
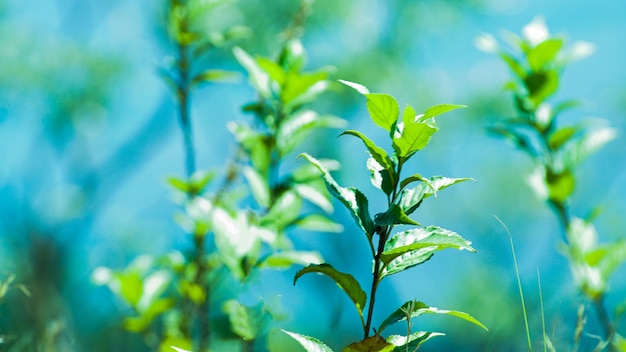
x: 183, y: 109
x: 375, y: 282
x: 201, y: 311
x: 605, y: 321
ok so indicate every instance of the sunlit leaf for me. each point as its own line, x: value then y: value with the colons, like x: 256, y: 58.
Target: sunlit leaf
x: 413, y: 309
x: 414, y: 178
x: 294, y: 130
x: 258, y: 186
x: 254, y: 143
x: 292, y: 56
x: 607, y: 257
x: 371, y: 344
x: 405, y: 249
x: 284, y: 211
x: 411, y: 135
x: 298, y: 84
x: 383, y: 109
x: 318, y: 223
x: 410, y: 199
x: 356, y: 86
x: 316, y: 194
x: 544, y: 53
x: 437, y: 110
x: 258, y: 78
x: 561, y: 136
x: 215, y: 76
x: 308, y: 172
x: 310, y: 344
x: 286, y: 259
x: 346, y: 282
x: 234, y: 240
x: 413, y: 341
x: 587, y: 144
x: 273, y: 70
x: 514, y: 65
x: 351, y: 198
x: 393, y: 216
x: 130, y: 286
x: 247, y: 322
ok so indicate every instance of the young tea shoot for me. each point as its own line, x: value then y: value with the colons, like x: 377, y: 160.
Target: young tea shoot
x: 392, y: 251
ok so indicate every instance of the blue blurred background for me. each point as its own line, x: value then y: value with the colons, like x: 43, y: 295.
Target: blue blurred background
x: 88, y: 135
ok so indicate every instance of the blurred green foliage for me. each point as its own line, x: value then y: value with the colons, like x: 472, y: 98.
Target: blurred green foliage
x: 87, y: 135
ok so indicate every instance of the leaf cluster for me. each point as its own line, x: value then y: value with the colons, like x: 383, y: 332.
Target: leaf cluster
x: 392, y: 252
x: 536, y: 64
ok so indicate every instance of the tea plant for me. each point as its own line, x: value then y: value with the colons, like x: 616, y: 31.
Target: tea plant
x: 173, y: 297
x: 537, y: 61
x: 392, y: 251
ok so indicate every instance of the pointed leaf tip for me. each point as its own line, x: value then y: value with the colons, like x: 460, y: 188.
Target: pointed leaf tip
x: 356, y: 86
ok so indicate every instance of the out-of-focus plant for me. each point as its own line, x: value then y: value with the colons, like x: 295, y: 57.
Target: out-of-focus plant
x: 173, y: 298
x: 6, y: 285
x: 392, y: 251
x: 537, y: 60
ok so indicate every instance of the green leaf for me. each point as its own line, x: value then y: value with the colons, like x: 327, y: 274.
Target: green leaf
x: 309, y: 172
x: 371, y: 344
x: 383, y: 109
x: 235, y: 240
x: 315, y: 193
x: 378, y: 153
x: 379, y: 177
x: 215, y: 76
x: 308, y: 95
x: 258, y: 186
x: 405, y: 249
x: 310, y: 344
x: 561, y: 136
x: 414, y: 178
x: 514, y: 65
x: 351, y: 198
x: 247, y: 322
x: 410, y: 199
x: 393, y: 216
x: 541, y: 85
x: 285, y: 259
x: 560, y: 185
x: 381, y: 157
x: 346, y: 282
x: 299, y: 84
x: 130, y: 287
x: 318, y: 223
x: 589, y: 143
x: 254, y: 143
x: 412, y: 342
x: 292, y: 56
x: 412, y: 134
x: 259, y: 79
x: 294, y: 130
x: 273, y: 70
x: 177, y: 349
x: 413, y: 309
x: 178, y: 184
x: 543, y: 55
x: 607, y: 257
x: 356, y: 86
x: 437, y: 110
x: 284, y: 212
